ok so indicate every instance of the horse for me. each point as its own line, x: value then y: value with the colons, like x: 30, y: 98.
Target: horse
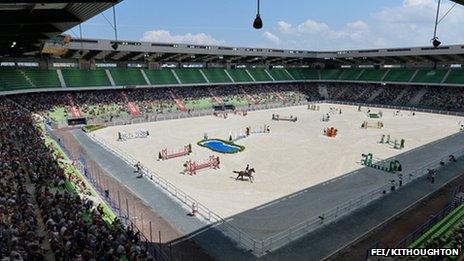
x: 245, y: 173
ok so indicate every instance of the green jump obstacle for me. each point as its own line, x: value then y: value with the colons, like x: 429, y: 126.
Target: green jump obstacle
x: 386, y: 139
x: 388, y: 166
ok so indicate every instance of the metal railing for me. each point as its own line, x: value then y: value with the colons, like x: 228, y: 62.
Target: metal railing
x: 412, y: 237
x: 150, y: 247
x: 303, y: 228
x: 276, y: 241
x: 395, y: 107
x: 153, y: 117
x: 241, y: 237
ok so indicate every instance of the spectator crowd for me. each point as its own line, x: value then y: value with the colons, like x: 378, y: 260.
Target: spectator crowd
x: 107, y: 104
x: 34, y: 198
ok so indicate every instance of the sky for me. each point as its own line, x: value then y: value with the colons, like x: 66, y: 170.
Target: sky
x: 324, y: 25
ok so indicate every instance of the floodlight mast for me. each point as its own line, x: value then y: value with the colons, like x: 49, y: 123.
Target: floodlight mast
x: 436, y: 43
x: 258, y: 22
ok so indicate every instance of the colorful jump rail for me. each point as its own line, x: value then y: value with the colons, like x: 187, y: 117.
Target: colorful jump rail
x: 192, y: 167
x: 244, y: 240
x: 140, y: 134
x: 165, y: 155
x: 372, y: 125
x: 261, y: 247
x: 391, y: 166
x: 277, y: 117
x: 395, y: 143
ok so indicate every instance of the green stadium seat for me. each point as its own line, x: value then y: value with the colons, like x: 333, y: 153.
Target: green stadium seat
x: 259, y: 75
x: 372, y: 75
x: 27, y: 78
x: 456, y: 76
x: 441, y: 228
x: 330, y: 74
x: 430, y: 76
x: 399, y: 75
x: 216, y: 75
x: 304, y: 73
x: 13, y: 79
x: 190, y: 76
x: 239, y: 75
x: 85, y: 78
x: 122, y: 76
x: 279, y: 74
x: 42, y: 78
x: 163, y: 76
x: 350, y: 74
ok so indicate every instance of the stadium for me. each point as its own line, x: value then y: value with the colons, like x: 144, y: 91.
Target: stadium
x: 143, y: 150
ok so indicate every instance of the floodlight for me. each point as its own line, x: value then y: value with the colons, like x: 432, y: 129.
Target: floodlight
x: 436, y: 42
x: 258, y: 23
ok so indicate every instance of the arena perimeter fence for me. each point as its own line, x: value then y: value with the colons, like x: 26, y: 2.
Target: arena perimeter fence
x: 245, y: 240
x: 393, y: 107
x: 152, y: 117
x: 274, y: 242
x: 127, y: 207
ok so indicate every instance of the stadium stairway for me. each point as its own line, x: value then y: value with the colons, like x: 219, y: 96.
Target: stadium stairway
x: 250, y: 97
x: 323, y: 92
x: 279, y: 75
x: 216, y: 75
x: 131, y: 106
x: 350, y: 74
x: 399, y: 75
x: 455, y: 76
x: 277, y: 94
x: 12, y: 79
x: 375, y: 94
x: 190, y: 76
x: 85, y: 78
x: 162, y: 76
x: 400, y: 96
x: 124, y: 77
x: 216, y: 98
x: 239, y: 75
x: 74, y: 109
x: 418, y: 97
x: 260, y: 75
x: 429, y: 76
x: 179, y: 102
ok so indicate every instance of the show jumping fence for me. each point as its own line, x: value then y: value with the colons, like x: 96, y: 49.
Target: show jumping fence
x: 274, y: 242
x: 246, y: 241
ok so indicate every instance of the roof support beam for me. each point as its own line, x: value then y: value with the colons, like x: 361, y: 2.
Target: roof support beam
x: 41, y: 16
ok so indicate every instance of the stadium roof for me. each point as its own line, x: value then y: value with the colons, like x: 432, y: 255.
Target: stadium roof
x: 24, y: 26
x: 138, y: 51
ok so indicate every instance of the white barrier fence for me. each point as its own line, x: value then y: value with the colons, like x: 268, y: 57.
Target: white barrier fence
x: 394, y: 107
x: 176, y: 115
x: 245, y: 240
x: 274, y: 242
